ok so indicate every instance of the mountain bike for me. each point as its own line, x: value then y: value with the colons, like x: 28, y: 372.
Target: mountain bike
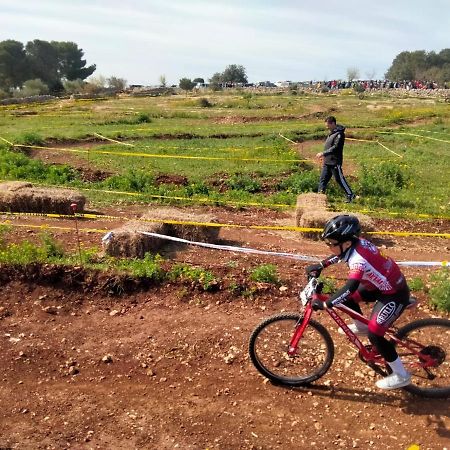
x: 293, y: 349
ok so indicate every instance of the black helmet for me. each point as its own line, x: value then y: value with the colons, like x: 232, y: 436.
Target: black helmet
x: 342, y: 228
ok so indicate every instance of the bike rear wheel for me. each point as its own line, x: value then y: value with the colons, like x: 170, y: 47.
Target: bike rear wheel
x: 269, y: 344
x: 433, y: 335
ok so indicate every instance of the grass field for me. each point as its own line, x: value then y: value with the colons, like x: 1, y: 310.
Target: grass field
x: 232, y: 150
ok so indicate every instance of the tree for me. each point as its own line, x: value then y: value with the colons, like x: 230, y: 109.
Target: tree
x: 118, y: 84
x: 352, y: 73
x: 419, y: 65
x: 234, y: 74
x: 44, y: 63
x: 216, y: 81
x: 186, y: 84
x: 71, y: 65
x: 163, y: 81
x: 198, y: 80
x: 13, y: 65
x: 370, y: 74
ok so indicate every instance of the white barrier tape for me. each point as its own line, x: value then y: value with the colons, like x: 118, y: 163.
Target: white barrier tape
x: 424, y: 263
x: 269, y: 253
x: 229, y: 247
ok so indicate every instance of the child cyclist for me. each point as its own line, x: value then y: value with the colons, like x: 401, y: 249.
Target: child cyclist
x: 373, y: 277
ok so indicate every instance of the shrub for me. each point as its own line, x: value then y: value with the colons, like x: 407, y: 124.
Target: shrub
x: 133, y: 180
x: 382, y: 180
x: 196, y: 275
x: 204, y: 103
x: 143, y: 118
x: 30, y: 138
x: 440, y: 290
x: 51, y: 248
x: 416, y: 284
x: 147, y: 267
x: 243, y: 183
x: 32, y: 87
x: 17, y: 166
x: 265, y: 273
x: 299, y: 182
x: 329, y: 285
x: 358, y: 88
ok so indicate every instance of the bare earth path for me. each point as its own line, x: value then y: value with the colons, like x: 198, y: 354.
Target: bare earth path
x: 168, y: 368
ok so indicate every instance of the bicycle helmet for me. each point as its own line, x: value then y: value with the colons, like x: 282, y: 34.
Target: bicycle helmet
x: 342, y: 228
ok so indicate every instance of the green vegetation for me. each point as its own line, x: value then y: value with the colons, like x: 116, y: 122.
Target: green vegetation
x: 416, y: 284
x: 265, y: 273
x: 421, y: 65
x: 440, y: 290
x: 194, y: 275
x: 248, y: 160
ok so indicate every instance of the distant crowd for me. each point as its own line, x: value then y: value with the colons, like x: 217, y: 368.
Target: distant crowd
x: 377, y: 84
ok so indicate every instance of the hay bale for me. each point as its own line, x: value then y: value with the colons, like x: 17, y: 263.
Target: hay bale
x: 13, y: 186
x: 309, y: 201
x: 318, y: 219
x: 186, y: 231
x: 128, y: 241
x: 23, y: 197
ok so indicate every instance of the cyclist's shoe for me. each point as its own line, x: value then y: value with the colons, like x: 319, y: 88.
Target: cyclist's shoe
x: 394, y: 381
x: 359, y: 330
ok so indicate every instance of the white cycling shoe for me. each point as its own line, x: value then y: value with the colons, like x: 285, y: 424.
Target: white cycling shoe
x: 359, y: 330
x: 394, y: 381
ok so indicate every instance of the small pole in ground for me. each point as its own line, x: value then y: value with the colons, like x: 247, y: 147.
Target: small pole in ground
x: 73, y: 207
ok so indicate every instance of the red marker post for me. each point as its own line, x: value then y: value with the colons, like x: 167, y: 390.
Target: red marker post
x: 73, y: 207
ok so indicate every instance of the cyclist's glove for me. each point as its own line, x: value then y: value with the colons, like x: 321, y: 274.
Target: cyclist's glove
x: 314, y: 270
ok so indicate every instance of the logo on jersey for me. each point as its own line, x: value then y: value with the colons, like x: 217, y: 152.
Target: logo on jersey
x: 386, y: 313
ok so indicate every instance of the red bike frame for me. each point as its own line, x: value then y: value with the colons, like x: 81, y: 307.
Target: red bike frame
x: 370, y: 356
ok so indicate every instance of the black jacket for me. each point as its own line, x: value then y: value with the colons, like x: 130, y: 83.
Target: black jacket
x: 334, y: 146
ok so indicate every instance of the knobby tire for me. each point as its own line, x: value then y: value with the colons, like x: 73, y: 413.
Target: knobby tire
x: 434, y: 335
x: 268, y: 349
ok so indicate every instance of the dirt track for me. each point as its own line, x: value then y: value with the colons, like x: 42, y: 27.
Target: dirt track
x: 168, y: 368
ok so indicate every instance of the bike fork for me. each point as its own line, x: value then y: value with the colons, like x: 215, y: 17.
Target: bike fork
x: 299, y: 329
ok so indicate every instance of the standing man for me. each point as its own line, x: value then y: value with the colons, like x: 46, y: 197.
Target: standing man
x: 332, y: 159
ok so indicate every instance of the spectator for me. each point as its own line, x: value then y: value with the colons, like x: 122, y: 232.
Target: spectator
x: 332, y: 158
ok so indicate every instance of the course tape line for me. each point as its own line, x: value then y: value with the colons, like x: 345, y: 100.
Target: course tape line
x: 375, y: 142
x: 415, y: 135
x: 150, y: 155
x: 48, y: 227
x: 263, y: 252
x: 221, y: 225
x: 113, y: 140
x: 3, y: 139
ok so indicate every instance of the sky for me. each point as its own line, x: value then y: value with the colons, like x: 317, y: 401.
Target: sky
x: 275, y: 40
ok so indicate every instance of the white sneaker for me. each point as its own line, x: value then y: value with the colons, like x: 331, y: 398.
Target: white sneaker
x: 361, y: 330
x: 394, y: 381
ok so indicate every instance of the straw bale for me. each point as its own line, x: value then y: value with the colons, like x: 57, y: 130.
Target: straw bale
x: 128, y: 241
x: 13, y: 186
x: 23, y: 197
x: 185, y: 231
x: 309, y: 201
x: 318, y: 219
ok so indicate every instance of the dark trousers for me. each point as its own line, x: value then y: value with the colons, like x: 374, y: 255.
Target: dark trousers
x: 334, y: 170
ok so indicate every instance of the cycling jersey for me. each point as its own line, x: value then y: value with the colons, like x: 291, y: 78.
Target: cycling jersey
x: 369, y: 270
x: 372, y: 269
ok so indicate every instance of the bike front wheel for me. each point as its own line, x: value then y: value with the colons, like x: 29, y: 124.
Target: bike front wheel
x: 427, y: 338
x: 269, y: 344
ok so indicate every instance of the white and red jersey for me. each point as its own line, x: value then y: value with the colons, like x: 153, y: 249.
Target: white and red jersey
x: 372, y: 269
